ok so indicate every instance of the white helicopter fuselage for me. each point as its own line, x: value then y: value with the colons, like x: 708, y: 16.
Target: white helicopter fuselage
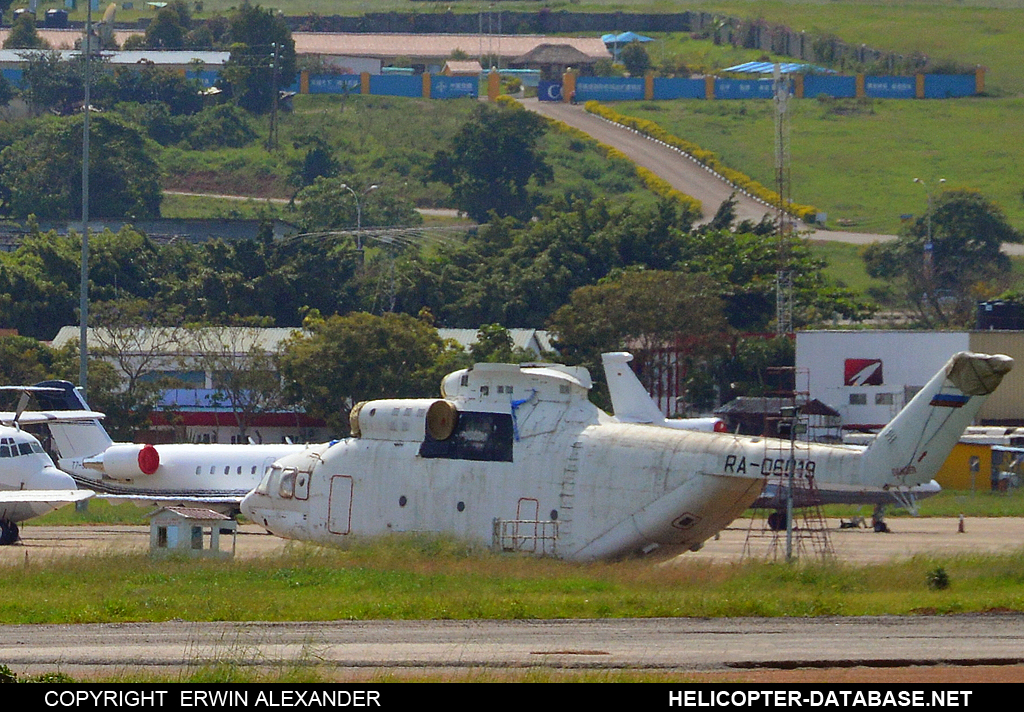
x: 518, y: 458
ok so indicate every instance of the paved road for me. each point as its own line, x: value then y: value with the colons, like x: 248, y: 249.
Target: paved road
x: 981, y: 645
x: 680, y: 644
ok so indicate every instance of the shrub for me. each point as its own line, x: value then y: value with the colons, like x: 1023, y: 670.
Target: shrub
x: 937, y: 579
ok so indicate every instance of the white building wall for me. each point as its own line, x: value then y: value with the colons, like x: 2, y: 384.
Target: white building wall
x: 868, y: 376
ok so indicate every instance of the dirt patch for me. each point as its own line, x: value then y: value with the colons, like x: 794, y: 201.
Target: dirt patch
x: 215, y: 182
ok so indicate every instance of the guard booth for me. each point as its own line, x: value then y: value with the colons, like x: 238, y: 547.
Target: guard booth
x: 190, y: 531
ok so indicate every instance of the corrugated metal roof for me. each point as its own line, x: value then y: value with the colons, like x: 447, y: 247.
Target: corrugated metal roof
x: 231, y: 339
x: 785, y: 67
x: 625, y: 38
x: 162, y: 57
x: 535, y: 340
x: 354, y: 44
x: 239, y: 339
x: 436, y: 46
x: 196, y: 513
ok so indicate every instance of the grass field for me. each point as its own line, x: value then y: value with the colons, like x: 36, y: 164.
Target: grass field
x: 415, y: 579
x: 857, y: 160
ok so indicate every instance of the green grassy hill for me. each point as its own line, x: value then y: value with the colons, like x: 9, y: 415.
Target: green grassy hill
x: 857, y: 160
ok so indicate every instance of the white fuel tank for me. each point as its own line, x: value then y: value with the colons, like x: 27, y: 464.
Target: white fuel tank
x: 408, y: 419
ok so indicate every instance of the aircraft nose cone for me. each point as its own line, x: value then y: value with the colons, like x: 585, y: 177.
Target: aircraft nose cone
x: 50, y: 478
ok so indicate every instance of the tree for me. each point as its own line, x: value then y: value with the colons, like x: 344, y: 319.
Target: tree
x: 634, y: 56
x: 262, y: 49
x: 169, y: 27
x: 24, y: 360
x: 346, y: 359
x: 943, y: 283
x: 643, y: 311
x: 492, y: 161
x: 147, y: 83
x: 41, y: 174
x: 245, y: 376
x: 126, y: 411
x: 328, y: 205
x: 52, y: 83
x: 23, y: 34
x: 494, y: 344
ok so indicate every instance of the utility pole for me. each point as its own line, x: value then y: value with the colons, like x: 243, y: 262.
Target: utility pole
x: 272, y: 138
x: 929, y: 246
x: 783, y: 276
x: 83, y: 298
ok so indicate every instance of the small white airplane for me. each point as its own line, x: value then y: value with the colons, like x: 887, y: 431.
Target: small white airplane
x: 516, y: 457
x: 30, y: 484
x: 216, y: 476
x: 632, y: 404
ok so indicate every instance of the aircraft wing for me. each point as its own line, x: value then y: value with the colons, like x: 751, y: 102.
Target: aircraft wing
x: 34, y: 417
x: 44, y: 496
x: 220, y: 503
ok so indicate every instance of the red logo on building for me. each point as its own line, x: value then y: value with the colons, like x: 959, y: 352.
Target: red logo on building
x: 863, y: 372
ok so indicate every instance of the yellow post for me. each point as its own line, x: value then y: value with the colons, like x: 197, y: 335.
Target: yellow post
x: 919, y: 88
x: 568, y: 86
x: 304, y: 81
x: 860, y: 86
x: 426, y: 85
x: 709, y: 87
x: 798, y: 86
x: 493, y: 85
x: 979, y: 80
x: 364, y: 82
x: 649, y: 86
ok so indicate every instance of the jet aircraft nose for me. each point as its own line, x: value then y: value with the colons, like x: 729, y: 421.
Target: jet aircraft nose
x: 50, y: 478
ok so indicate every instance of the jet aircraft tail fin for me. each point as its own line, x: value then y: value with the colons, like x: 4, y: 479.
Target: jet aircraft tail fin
x: 73, y: 440
x: 914, y: 445
x: 630, y: 402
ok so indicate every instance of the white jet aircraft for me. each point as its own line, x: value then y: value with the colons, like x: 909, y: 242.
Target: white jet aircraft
x: 517, y: 458
x: 632, y: 404
x: 216, y: 476
x: 30, y: 484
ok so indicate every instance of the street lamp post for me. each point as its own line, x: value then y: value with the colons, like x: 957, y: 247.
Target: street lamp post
x: 359, y: 196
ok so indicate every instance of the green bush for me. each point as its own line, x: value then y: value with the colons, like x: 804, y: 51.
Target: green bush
x: 223, y: 126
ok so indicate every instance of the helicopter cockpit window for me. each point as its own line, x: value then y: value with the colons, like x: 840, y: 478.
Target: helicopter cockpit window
x: 264, y: 486
x: 287, y: 488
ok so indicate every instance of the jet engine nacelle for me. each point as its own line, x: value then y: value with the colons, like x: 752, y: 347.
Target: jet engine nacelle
x: 405, y: 419
x: 125, y: 461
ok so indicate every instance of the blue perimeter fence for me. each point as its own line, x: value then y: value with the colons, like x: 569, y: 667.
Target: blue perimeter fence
x: 935, y: 86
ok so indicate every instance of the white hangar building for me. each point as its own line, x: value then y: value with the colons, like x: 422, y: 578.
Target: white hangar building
x: 868, y: 376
